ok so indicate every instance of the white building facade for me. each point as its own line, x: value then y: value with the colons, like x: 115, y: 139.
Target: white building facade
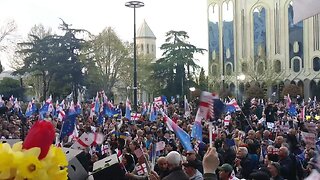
x: 259, y: 35
x: 146, y: 48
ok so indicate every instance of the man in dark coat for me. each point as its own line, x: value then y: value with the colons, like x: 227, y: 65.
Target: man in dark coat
x: 175, y: 169
x: 287, y: 166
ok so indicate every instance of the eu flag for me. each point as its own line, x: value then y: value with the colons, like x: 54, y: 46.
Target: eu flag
x: 69, y: 123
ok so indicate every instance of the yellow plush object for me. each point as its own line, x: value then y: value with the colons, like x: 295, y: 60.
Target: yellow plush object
x: 19, y: 164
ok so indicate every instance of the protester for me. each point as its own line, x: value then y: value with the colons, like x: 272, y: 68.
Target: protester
x: 225, y: 172
x: 274, y: 169
x: 277, y: 145
x: 174, y: 165
x: 190, y: 168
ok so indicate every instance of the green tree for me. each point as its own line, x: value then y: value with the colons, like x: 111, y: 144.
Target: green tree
x: 108, y: 59
x: 1, y: 67
x: 177, y: 64
x: 203, y: 81
x: 39, y: 60
x: 255, y: 92
x: 34, y: 79
x: 70, y: 48
x: 54, y: 58
x: 10, y: 86
x: 291, y: 89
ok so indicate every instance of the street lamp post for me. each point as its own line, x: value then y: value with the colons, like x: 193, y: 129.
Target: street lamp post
x: 134, y: 5
x: 241, y: 78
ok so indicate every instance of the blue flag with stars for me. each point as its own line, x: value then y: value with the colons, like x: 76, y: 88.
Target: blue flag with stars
x: 69, y: 122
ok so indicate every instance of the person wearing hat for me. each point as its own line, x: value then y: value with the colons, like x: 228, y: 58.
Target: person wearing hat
x: 190, y: 168
x: 274, y: 169
x: 225, y: 172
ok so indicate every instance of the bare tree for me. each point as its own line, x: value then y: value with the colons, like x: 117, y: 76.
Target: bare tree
x: 6, y: 31
x: 262, y: 71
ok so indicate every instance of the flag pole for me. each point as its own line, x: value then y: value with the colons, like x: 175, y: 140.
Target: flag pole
x: 154, y: 153
x: 210, y: 134
x: 61, y: 140
x: 245, y: 117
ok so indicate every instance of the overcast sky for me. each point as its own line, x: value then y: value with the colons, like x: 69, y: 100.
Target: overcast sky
x: 94, y: 15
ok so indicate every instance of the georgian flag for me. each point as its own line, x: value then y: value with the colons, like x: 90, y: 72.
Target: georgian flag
x: 50, y: 105
x: 87, y: 140
x: 227, y: 120
x: 135, y: 116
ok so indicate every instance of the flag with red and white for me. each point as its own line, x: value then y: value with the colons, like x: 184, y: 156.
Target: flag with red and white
x: 288, y: 101
x: 158, y: 101
x: 302, y: 113
x: 87, y: 140
x: 234, y: 104
x: 227, y: 120
x: 105, y: 149
x: 135, y: 116
x: 160, y: 145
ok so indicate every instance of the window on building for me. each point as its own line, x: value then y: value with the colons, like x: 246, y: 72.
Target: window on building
x: 148, y: 49
x: 214, y: 70
x: 228, y: 69
x: 260, y: 67
x: 152, y: 47
x: 259, y: 30
x: 244, y: 67
x: 277, y: 66
x: 316, y: 64
x: 295, y: 31
x: 296, y: 65
x: 141, y: 47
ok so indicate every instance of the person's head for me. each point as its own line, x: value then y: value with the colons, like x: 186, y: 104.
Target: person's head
x: 127, y: 159
x: 258, y: 135
x: 133, y: 145
x: 270, y: 149
x: 283, y: 152
x: 190, y: 168
x: 274, y: 169
x: 292, y: 132
x: 149, y: 135
x: 266, y: 134
x: 223, y: 135
x: 191, y: 155
x: 242, y: 152
x: 140, y: 133
x: 309, y: 154
x: 251, y: 134
x: 154, y: 129
x: 162, y: 163
x: 279, y: 140
x: 173, y: 159
x: 225, y: 171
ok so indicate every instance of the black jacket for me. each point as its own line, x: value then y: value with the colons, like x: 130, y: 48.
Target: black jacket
x: 175, y: 174
x: 287, y: 169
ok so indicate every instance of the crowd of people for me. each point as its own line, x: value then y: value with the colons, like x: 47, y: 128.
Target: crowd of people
x: 259, y: 142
